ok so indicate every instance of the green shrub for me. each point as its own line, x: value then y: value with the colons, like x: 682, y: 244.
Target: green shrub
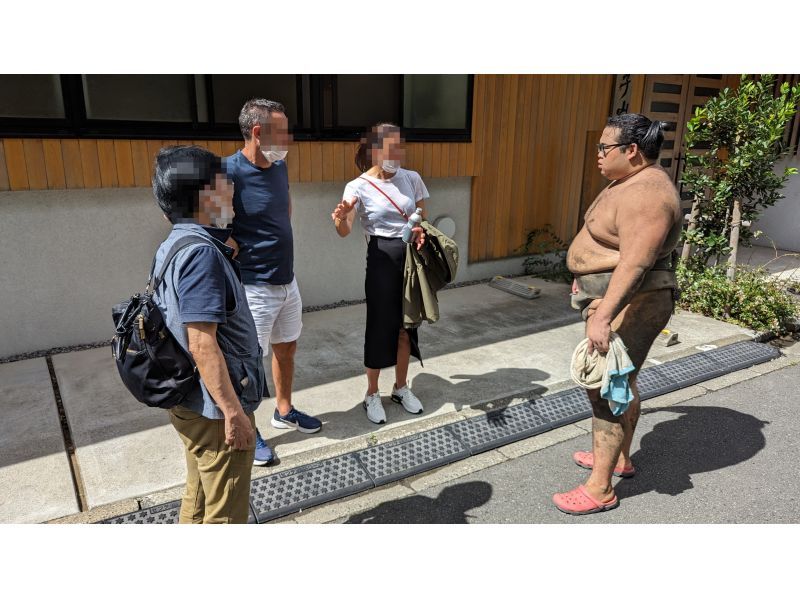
x: 754, y: 299
x: 550, y: 261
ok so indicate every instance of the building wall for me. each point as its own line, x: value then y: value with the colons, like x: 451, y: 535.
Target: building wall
x: 533, y: 152
x: 781, y: 223
x: 69, y: 255
x: 78, y: 226
x: 527, y: 158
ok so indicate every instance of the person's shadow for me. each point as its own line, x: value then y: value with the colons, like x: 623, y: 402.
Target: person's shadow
x: 450, y: 506
x: 701, y: 439
x: 435, y: 391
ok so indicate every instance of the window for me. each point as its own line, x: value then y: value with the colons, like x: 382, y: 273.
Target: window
x: 436, y: 101
x: 31, y: 96
x: 232, y: 91
x: 161, y: 98
x: 360, y: 101
x: 319, y: 107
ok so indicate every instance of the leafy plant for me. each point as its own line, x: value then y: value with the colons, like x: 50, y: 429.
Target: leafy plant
x: 754, y: 299
x: 550, y: 255
x: 732, y: 179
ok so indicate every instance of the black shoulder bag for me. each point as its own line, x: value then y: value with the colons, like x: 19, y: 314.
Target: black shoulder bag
x: 152, y: 364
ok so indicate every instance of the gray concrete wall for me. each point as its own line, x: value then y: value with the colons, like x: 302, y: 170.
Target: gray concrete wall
x: 68, y: 256
x: 781, y: 223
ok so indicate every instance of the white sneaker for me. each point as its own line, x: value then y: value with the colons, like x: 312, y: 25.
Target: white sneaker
x: 407, y: 399
x: 375, y: 412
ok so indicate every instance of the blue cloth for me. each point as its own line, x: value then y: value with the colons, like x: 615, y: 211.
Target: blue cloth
x: 197, y: 300
x: 617, y: 391
x: 261, y: 223
x: 204, y: 292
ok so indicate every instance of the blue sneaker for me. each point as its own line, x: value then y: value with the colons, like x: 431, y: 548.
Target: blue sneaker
x: 264, y: 454
x: 297, y: 420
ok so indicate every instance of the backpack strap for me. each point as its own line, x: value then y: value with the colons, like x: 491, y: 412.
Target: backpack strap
x: 173, y: 251
x: 402, y: 213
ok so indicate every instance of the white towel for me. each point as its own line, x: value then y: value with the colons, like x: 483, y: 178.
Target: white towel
x: 608, y: 372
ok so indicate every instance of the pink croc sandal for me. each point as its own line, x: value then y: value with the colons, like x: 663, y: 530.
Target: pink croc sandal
x: 580, y: 502
x: 585, y: 459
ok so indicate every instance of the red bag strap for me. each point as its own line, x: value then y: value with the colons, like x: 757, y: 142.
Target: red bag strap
x: 402, y: 213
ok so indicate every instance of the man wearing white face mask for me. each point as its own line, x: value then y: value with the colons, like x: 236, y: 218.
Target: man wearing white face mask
x: 262, y: 236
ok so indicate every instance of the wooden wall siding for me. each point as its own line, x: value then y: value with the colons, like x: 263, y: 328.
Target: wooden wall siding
x: 527, y: 157
x: 530, y: 137
x: 27, y: 164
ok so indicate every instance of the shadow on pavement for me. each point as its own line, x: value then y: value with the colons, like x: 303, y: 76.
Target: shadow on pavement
x: 450, y: 506
x: 434, y: 392
x: 701, y: 439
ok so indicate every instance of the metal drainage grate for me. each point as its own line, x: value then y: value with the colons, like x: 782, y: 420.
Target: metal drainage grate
x: 166, y: 513
x: 700, y: 367
x: 408, y: 456
x: 515, y: 287
x: 691, y: 370
x: 290, y: 491
x: 564, y: 407
x: 306, y: 486
x: 653, y: 381
x: 498, y: 428
x: 743, y: 355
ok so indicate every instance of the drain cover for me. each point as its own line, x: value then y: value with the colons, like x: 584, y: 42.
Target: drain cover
x: 515, y: 288
x: 690, y: 370
x: 653, y: 381
x: 743, y: 355
x: 408, y: 456
x: 166, y: 513
x: 498, y: 428
x: 564, y: 407
x: 302, y: 487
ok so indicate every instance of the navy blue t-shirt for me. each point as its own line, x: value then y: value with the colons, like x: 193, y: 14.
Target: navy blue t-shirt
x: 261, y: 223
x: 204, y: 294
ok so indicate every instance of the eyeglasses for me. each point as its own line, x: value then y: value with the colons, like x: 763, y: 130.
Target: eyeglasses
x: 602, y: 147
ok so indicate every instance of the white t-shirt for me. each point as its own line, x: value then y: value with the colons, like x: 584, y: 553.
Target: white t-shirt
x: 378, y: 216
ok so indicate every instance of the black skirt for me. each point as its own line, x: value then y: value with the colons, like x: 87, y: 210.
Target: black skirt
x: 383, y: 287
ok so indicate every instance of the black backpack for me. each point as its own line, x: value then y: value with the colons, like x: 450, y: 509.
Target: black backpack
x: 154, y: 367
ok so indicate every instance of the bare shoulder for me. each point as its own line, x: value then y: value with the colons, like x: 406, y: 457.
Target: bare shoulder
x: 652, y: 191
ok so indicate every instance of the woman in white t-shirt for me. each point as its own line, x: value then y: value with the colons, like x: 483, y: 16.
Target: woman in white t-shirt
x: 384, y: 197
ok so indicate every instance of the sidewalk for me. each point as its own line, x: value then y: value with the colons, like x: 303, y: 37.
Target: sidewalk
x: 487, y: 344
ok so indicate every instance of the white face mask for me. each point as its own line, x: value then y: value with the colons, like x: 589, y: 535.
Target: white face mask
x: 390, y: 166
x: 225, y: 217
x: 274, y: 154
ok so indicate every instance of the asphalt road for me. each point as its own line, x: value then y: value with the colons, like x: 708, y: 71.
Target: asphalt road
x: 729, y: 456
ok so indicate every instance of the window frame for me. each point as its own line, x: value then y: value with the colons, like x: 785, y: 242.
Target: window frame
x: 75, y: 123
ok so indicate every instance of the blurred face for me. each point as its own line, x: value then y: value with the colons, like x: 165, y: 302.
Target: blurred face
x: 614, y: 161
x: 393, y: 149
x: 274, y: 133
x: 216, y: 202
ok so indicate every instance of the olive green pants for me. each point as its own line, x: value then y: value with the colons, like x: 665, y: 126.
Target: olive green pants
x: 218, y: 477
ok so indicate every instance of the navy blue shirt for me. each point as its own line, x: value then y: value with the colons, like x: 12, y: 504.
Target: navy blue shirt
x: 261, y: 223
x: 204, y: 294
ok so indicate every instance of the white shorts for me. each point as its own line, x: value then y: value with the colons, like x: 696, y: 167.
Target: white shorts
x: 277, y: 311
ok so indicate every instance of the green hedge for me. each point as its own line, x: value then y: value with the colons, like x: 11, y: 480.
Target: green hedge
x: 754, y: 299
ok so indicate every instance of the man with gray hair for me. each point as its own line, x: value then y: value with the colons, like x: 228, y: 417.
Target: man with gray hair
x: 262, y: 238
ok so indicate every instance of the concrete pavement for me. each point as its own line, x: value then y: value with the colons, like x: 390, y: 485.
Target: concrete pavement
x: 35, y: 480
x: 486, y: 345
